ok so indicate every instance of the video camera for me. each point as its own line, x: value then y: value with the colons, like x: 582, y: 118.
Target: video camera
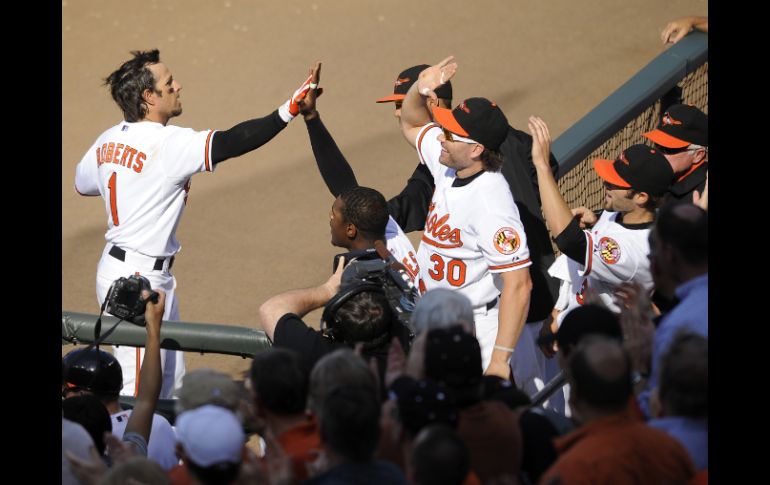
x: 124, y: 299
x: 368, y: 270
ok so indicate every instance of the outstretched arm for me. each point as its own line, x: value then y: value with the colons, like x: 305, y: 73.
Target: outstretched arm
x: 677, y: 29
x: 414, y: 111
x: 555, y: 208
x: 299, y: 302
x: 150, y: 379
x: 334, y: 168
x: 250, y: 135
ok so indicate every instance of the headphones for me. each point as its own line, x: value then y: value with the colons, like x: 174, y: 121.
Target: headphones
x: 329, y: 319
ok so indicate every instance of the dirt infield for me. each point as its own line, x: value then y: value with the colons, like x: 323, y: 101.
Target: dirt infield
x: 259, y: 225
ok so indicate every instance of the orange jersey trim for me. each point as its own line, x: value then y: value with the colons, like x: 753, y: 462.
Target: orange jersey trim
x: 208, y: 152
x: 422, y: 135
x: 512, y: 265
x: 427, y: 240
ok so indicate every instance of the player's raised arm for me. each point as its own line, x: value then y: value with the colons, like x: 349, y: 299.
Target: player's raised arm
x: 250, y: 135
x: 150, y: 378
x: 335, y: 169
x: 415, y: 110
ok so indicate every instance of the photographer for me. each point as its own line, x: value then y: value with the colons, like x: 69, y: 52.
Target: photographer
x: 363, y: 317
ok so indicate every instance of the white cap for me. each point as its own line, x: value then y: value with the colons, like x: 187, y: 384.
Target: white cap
x: 210, y: 435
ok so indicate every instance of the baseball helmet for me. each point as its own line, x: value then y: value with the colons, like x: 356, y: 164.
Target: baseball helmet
x: 93, y: 370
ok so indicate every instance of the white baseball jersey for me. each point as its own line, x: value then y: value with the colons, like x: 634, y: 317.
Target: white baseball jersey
x: 614, y: 255
x: 471, y: 232
x: 401, y: 247
x: 162, y: 445
x: 143, y: 172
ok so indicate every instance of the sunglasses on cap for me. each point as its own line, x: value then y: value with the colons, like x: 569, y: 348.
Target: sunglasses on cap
x: 457, y: 138
x: 610, y: 186
x: 674, y: 151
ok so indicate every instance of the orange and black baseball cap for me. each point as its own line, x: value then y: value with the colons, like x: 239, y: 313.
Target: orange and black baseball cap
x: 408, y: 77
x: 638, y: 167
x: 682, y: 125
x: 477, y: 118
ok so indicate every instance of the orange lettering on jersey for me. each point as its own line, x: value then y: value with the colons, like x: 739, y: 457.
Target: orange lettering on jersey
x: 110, y: 151
x: 131, y: 152
x: 413, y: 270
x: 440, y: 229
x: 115, y: 155
x: 139, y: 162
x: 98, y: 156
x: 124, y: 157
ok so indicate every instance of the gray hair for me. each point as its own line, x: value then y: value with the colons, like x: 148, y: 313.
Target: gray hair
x: 343, y: 367
x: 441, y: 308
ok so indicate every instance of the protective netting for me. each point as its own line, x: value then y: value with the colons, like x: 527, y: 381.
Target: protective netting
x: 581, y: 186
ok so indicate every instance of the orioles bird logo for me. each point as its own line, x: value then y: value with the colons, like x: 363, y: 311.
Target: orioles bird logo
x: 464, y: 107
x: 623, y: 158
x: 401, y: 81
x: 668, y: 120
x: 609, y: 250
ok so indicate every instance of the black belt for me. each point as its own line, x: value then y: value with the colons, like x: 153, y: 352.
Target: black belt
x: 491, y: 304
x: 120, y: 254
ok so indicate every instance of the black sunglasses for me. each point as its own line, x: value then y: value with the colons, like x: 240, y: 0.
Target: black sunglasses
x: 610, y: 186
x: 671, y: 151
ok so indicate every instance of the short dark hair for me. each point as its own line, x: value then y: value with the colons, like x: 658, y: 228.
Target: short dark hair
x: 349, y: 422
x: 440, y: 457
x: 684, y: 376
x: 365, y: 317
x: 491, y: 161
x: 128, y: 83
x: 280, y: 380
x: 588, y: 383
x: 366, y: 209
x: 88, y: 411
x: 653, y: 201
x: 687, y: 233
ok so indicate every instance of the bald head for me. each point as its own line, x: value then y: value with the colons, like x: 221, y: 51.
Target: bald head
x: 684, y: 227
x: 599, y: 371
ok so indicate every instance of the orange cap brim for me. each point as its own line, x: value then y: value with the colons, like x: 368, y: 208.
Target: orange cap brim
x: 446, y: 119
x: 664, y: 139
x: 392, y: 97
x: 606, y: 170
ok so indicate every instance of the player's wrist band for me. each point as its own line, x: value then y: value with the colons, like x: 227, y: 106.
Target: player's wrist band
x: 507, y: 349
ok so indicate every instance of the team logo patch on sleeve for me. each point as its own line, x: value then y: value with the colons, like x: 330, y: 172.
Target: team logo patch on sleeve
x: 506, y: 240
x: 609, y: 250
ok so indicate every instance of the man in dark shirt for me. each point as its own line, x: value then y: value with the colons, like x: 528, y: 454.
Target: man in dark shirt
x: 683, y: 137
x: 354, y: 315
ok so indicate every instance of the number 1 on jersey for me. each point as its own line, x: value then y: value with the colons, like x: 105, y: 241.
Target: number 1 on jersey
x: 112, y: 184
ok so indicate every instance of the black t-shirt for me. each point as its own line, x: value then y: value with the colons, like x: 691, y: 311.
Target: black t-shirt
x: 292, y: 333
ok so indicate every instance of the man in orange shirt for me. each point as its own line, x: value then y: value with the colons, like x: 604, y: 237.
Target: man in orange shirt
x: 611, y: 446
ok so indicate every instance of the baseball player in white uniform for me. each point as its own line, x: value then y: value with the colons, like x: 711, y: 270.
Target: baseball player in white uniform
x: 142, y: 167
x: 473, y: 240
x: 613, y: 247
